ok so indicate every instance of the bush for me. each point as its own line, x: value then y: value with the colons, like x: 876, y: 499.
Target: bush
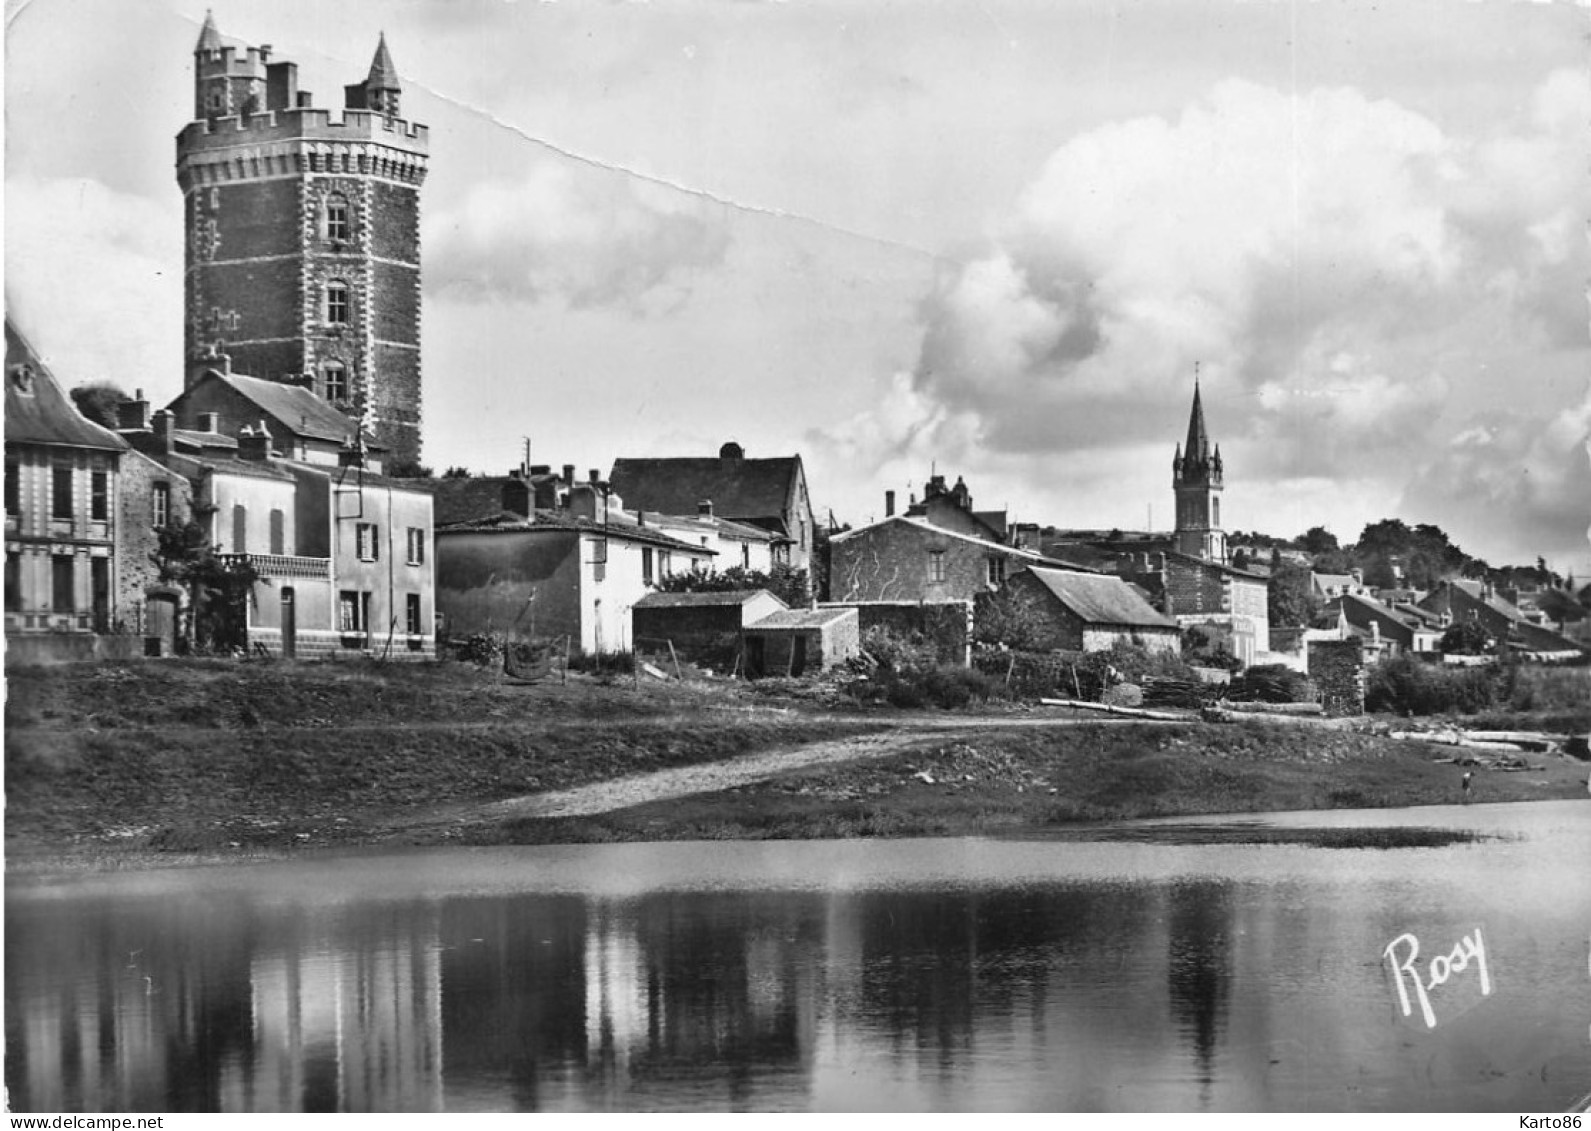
x: 947, y: 686
x: 480, y: 649
x: 1407, y: 686
x: 902, y: 654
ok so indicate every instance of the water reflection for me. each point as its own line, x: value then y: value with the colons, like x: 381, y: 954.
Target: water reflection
x: 998, y: 990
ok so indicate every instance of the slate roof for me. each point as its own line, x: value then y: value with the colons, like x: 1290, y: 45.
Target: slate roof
x: 298, y: 410
x: 478, y: 497
x: 1217, y: 566
x: 45, y: 414
x: 924, y: 524
x: 551, y: 522
x: 701, y: 600
x: 192, y: 467
x: 802, y: 618
x: 739, y: 488
x: 1101, y: 600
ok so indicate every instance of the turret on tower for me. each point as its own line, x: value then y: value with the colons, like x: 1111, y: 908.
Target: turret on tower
x: 303, y: 248
x: 1196, y: 477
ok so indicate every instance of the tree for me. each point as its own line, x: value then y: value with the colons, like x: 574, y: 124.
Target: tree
x: 408, y: 469
x: 1291, y: 595
x: 456, y: 473
x: 1467, y: 638
x: 1318, y: 540
x: 219, y: 588
x: 97, y: 400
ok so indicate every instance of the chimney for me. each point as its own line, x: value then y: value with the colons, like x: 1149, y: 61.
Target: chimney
x: 568, y: 475
x: 133, y: 414
x: 540, y: 469
x: 731, y: 452
x: 704, y: 508
x: 209, y: 422
x: 254, y: 446
x: 889, y: 504
x: 594, y: 476
x: 164, y: 443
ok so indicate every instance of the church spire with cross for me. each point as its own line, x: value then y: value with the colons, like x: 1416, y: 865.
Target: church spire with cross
x: 1196, y: 477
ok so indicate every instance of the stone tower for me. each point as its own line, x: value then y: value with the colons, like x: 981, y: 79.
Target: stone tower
x: 1196, y: 478
x: 303, y: 258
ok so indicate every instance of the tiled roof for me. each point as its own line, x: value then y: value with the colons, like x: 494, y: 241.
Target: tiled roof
x: 1101, y: 600
x: 738, y: 488
x: 41, y: 412
x: 701, y: 600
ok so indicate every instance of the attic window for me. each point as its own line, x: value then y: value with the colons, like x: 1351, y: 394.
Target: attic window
x: 22, y: 378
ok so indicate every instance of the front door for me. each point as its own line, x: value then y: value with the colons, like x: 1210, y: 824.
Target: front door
x: 289, y: 625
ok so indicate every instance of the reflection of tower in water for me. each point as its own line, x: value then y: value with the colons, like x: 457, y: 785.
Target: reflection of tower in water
x: 1199, y: 969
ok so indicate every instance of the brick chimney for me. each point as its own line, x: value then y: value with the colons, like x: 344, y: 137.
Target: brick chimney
x: 704, y: 508
x: 254, y: 446
x: 162, y: 423
x: 568, y: 475
x: 889, y: 504
x: 133, y: 414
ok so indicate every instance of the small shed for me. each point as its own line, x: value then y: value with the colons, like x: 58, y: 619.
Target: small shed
x: 1086, y: 612
x: 796, y: 641
x: 700, y: 620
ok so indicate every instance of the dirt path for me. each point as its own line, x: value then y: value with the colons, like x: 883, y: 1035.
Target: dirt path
x: 713, y: 777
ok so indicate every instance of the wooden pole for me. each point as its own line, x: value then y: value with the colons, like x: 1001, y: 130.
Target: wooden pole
x: 673, y: 655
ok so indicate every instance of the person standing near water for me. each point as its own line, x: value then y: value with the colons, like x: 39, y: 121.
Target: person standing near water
x: 1467, y: 776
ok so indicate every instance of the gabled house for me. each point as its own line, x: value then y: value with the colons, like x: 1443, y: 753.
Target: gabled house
x: 1396, y: 630
x: 302, y: 425
x: 1325, y: 586
x: 1082, y: 612
x: 766, y: 493
x: 1462, y: 600
x: 576, y: 572
x: 62, y: 502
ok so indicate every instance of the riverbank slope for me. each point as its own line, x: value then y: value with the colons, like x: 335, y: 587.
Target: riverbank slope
x: 111, y: 765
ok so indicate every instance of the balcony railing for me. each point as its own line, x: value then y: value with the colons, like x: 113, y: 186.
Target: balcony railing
x: 282, y: 565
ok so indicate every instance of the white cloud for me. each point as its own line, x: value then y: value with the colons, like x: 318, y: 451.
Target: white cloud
x: 587, y: 237
x: 90, y: 280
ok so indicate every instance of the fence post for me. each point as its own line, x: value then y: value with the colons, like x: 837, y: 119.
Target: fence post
x: 675, y: 657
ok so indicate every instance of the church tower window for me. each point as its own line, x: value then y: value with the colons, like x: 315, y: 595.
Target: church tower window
x: 336, y: 381
x: 337, y: 225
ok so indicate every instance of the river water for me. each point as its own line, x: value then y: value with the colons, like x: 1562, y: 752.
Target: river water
x: 1176, y: 969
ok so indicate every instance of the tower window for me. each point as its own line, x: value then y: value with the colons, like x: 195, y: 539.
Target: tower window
x: 337, y: 302
x: 337, y: 226
x: 336, y: 374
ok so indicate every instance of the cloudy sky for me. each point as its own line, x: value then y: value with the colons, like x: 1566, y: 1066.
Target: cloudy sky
x: 989, y: 237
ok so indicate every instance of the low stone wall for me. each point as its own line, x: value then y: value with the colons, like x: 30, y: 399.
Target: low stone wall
x: 1337, y: 669
x: 67, y: 648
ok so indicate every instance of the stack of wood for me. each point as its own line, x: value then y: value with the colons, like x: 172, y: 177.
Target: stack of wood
x: 1165, y: 691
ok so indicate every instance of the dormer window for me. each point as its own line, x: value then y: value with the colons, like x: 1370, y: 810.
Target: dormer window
x: 336, y: 378
x: 337, y: 302
x: 337, y: 224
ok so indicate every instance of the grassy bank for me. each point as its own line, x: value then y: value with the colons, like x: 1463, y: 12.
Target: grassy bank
x: 209, y: 759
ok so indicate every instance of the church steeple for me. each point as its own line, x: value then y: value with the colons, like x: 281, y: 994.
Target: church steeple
x: 1196, y: 473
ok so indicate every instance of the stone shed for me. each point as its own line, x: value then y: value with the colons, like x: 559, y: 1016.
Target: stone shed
x: 700, y: 620
x: 796, y: 641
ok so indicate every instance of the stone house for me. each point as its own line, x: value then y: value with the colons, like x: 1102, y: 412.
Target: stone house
x: 907, y: 558
x: 1196, y: 591
x: 767, y: 493
x: 796, y: 641
x: 1067, y: 610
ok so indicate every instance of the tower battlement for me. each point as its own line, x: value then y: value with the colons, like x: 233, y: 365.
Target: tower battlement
x: 303, y: 233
